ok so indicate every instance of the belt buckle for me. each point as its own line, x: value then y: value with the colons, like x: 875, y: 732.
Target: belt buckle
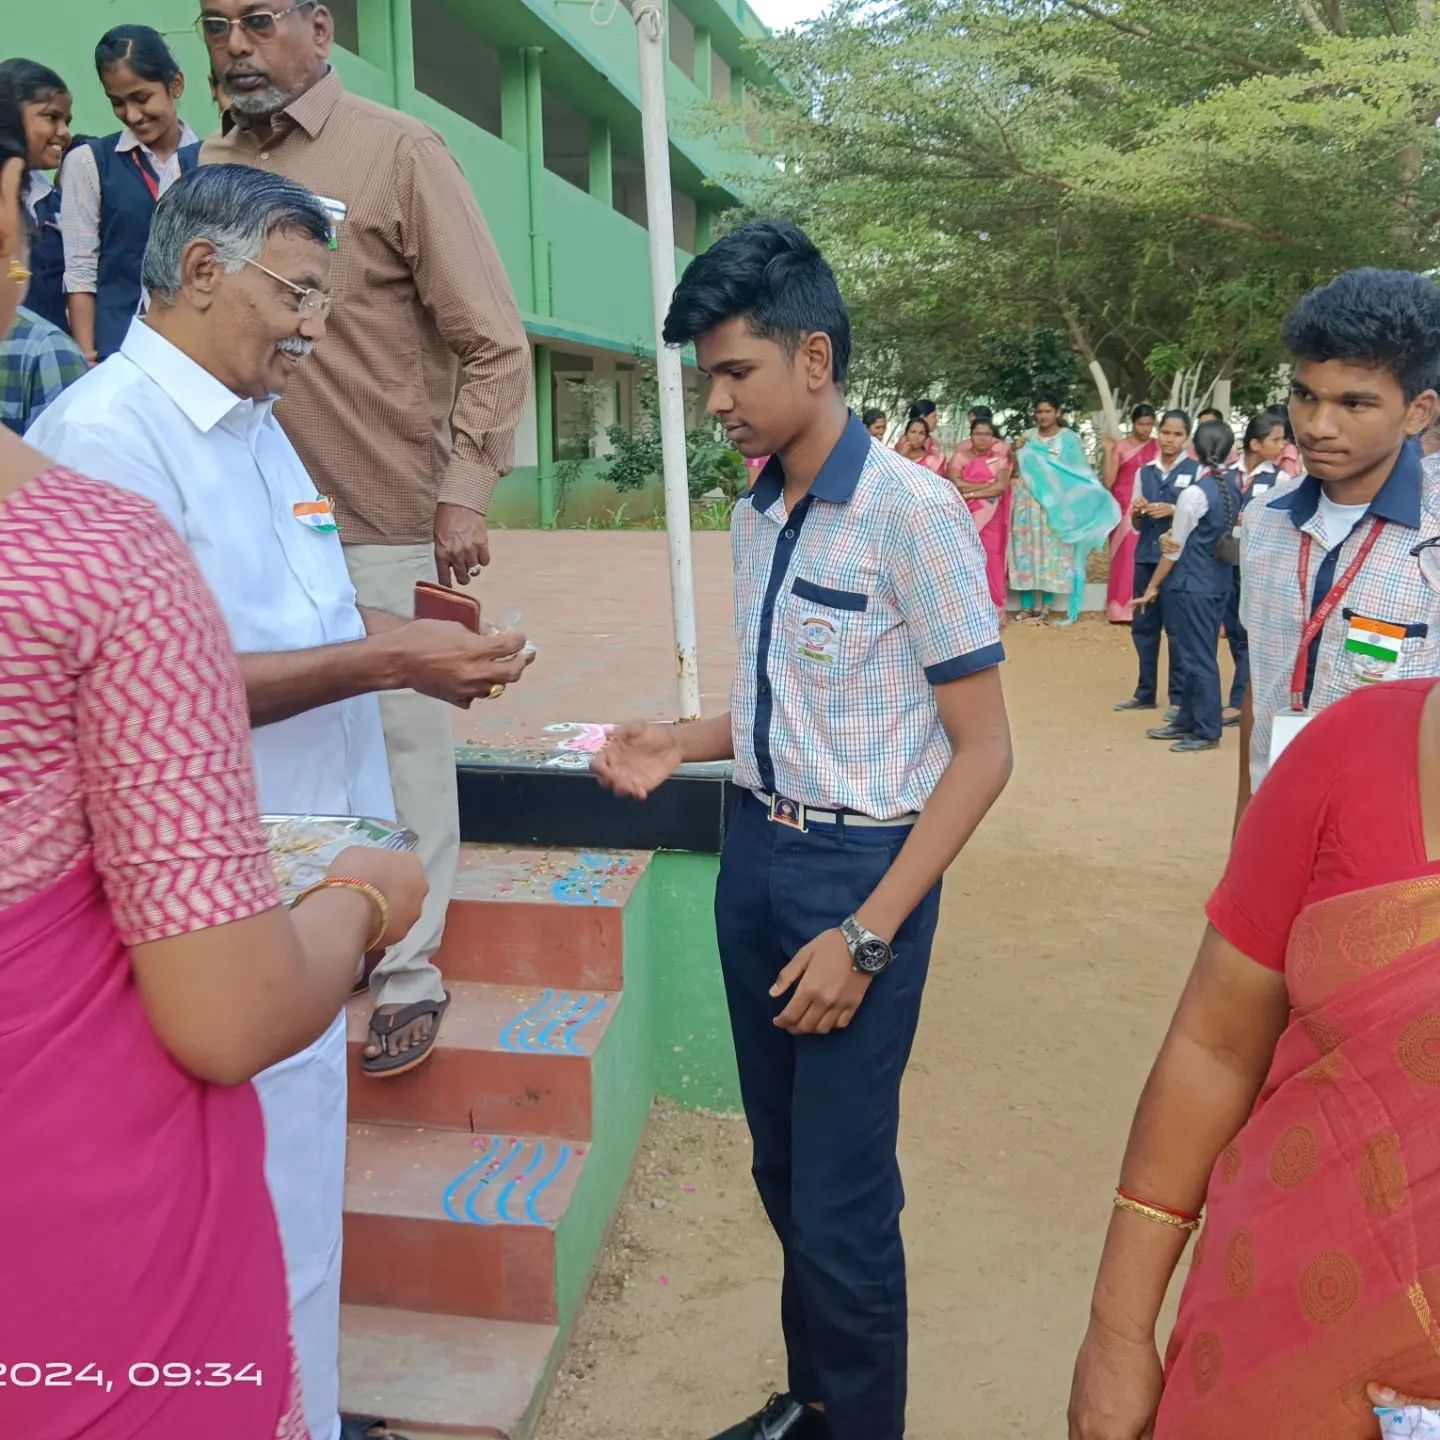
x: 790, y: 813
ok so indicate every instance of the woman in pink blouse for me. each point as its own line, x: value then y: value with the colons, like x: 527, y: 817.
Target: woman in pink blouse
x: 147, y: 970
x: 1124, y: 459
x: 984, y: 484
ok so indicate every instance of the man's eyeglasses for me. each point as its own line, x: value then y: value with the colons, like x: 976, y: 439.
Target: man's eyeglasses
x: 258, y: 24
x: 312, y: 305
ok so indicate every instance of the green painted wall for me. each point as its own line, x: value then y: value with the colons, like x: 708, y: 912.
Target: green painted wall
x: 694, y: 1052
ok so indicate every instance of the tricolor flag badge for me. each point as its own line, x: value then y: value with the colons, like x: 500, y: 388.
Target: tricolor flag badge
x: 1373, y: 647
x: 316, y: 515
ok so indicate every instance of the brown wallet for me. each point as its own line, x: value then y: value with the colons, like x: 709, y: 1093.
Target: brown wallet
x: 436, y: 602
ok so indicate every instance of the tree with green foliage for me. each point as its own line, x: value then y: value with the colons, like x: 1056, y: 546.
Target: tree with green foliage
x: 1156, y: 180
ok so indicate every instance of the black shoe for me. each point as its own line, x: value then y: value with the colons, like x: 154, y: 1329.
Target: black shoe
x: 1192, y: 743
x: 1169, y: 732
x: 784, y: 1418
x: 1136, y: 705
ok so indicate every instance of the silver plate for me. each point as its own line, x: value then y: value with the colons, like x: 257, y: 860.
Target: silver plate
x: 302, y: 847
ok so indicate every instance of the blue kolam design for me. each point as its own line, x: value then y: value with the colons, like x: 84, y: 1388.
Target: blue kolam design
x: 504, y: 1186
x: 551, y: 1024
x: 584, y: 883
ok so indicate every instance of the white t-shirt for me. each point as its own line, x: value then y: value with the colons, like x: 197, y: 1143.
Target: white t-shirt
x: 1339, y: 520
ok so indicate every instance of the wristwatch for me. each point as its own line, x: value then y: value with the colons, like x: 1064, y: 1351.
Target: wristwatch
x: 869, y: 954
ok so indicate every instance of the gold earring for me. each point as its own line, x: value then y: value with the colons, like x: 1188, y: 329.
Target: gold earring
x: 18, y: 272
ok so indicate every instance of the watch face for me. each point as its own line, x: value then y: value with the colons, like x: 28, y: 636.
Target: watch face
x: 872, y: 956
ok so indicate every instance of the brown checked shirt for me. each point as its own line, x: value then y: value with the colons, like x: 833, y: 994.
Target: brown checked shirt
x: 420, y: 294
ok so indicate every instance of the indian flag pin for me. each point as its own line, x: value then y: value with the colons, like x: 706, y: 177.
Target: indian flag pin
x: 1373, y: 647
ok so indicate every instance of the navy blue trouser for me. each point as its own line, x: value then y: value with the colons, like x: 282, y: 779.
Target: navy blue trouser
x: 824, y: 1110
x: 1146, y: 627
x: 1239, y: 643
x: 1193, y: 625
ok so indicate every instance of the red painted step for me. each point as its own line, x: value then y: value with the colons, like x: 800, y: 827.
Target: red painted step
x: 539, y: 917
x: 508, y: 1058
x: 459, y: 1224
x: 443, y: 1373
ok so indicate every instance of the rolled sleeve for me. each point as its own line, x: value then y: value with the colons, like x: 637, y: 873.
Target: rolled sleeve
x: 80, y: 221
x: 941, y: 591
x: 461, y: 282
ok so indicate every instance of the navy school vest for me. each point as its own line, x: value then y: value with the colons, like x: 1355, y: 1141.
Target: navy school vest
x: 126, y: 209
x: 1159, y: 489
x: 46, y: 295
x: 1197, y: 571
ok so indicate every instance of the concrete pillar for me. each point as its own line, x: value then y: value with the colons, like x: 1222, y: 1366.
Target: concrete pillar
x: 545, y: 433
x: 535, y: 165
x: 703, y: 71
x: 512, y: 98
x: 403, y: 52
x: 602, y: 163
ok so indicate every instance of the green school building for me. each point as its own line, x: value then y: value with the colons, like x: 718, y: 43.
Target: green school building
x: 541, y: 105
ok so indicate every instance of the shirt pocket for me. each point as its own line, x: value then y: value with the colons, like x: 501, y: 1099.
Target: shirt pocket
x: 1381, y: 647
x: 828, y: 630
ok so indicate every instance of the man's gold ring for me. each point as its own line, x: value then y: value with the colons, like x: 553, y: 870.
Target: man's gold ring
x: 496, y: 691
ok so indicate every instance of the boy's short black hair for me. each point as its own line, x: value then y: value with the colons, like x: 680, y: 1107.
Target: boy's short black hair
x: 770, y: 272
x: 1386, y: 319
x: 1209, y: 410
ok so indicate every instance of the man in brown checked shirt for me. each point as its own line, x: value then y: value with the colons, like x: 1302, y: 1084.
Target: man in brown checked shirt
x: 409, y: 464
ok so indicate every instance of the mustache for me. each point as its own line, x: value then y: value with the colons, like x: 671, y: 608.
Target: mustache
x: 245, y: 72
x: 296, y: 345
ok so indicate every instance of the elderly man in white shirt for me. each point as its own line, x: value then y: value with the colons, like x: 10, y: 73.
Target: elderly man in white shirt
x: 237, y: 270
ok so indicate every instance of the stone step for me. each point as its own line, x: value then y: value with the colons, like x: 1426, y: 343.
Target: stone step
x: 454, y: 1223
x: 443, y: 1374
x: 539, y: 917
x: 509, y: 1058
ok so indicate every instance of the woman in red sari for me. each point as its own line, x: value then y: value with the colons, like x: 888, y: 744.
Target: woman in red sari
x: 1295, y: 1099
x: 984, y: 484
x: 147, y: 970
x: 1124, y: 459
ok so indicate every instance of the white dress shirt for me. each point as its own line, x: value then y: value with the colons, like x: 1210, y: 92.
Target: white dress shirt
x: 151, y: 420
x: 225, y: 475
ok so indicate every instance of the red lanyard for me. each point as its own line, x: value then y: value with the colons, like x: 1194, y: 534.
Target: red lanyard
x: 147, y: 174
x: 1326, y: 608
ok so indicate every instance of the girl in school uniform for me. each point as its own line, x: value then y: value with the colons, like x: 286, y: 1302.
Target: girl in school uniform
x: 111, y: 185
x: 1196, y: 569
x: 45, y: 106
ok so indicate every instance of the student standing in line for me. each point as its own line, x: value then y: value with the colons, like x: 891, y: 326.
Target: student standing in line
x: 1123, y: 460
x: 1288, y: 462
x: 1196, y: 568
x: 1257, y: 475
x: 1367, y: 352
x: 111, y: 185
x: 1157, y: 487
x: 876, y: 422
x: 868, y: 724
x: 45, y: 104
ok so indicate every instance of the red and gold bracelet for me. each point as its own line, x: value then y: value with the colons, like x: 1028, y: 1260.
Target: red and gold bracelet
x: 364, y: 887
x: 1160, y: 1214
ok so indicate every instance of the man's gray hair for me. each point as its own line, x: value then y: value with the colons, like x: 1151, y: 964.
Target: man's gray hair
x: 237, y: 209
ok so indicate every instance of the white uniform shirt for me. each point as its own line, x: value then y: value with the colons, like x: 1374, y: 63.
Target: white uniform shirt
x: 222, y: 471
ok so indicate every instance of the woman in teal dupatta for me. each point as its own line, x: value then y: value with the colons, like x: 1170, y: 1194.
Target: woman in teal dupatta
x: 1061, y: 511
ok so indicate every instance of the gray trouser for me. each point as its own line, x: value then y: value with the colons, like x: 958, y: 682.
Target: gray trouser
x: 422, y: 775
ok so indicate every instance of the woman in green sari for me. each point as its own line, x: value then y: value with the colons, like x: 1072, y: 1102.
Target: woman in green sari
x: 1061, y: 511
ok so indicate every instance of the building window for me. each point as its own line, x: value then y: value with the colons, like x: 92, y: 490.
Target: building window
x: 682, y: 42
x: 454, y: 66
x: 347, y: 24
x: 719, y: 78
x: 629, y: 184
x: 567, y: 141
x: 686, y: 221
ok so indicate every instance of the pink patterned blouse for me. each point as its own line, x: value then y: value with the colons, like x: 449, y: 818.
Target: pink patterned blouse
x: 127, y: 815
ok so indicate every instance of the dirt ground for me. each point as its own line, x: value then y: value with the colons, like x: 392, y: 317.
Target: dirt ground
x: 1067, y: 930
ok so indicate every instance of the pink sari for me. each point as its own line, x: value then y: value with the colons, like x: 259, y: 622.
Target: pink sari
x: 1120, y: 588
x: 992, y: 517
x: 137, y: 1229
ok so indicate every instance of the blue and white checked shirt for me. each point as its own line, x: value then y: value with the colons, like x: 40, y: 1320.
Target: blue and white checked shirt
x: 37, y: 361
x: 1389, y: 587
x: 847, y: 612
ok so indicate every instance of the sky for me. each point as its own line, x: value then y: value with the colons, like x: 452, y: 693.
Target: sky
x: 778, y: 14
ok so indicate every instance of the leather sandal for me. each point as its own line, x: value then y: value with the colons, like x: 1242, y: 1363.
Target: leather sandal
x: 382, y: 1027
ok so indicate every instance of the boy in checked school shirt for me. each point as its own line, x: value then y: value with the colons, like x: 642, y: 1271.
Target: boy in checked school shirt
x: 867, y: 724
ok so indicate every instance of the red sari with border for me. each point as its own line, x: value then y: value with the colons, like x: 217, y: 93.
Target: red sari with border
x: 1120, y: 587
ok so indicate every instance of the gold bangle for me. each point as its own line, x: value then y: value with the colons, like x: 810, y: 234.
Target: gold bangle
x: 1149, y: 1212
x: 363, y: 887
